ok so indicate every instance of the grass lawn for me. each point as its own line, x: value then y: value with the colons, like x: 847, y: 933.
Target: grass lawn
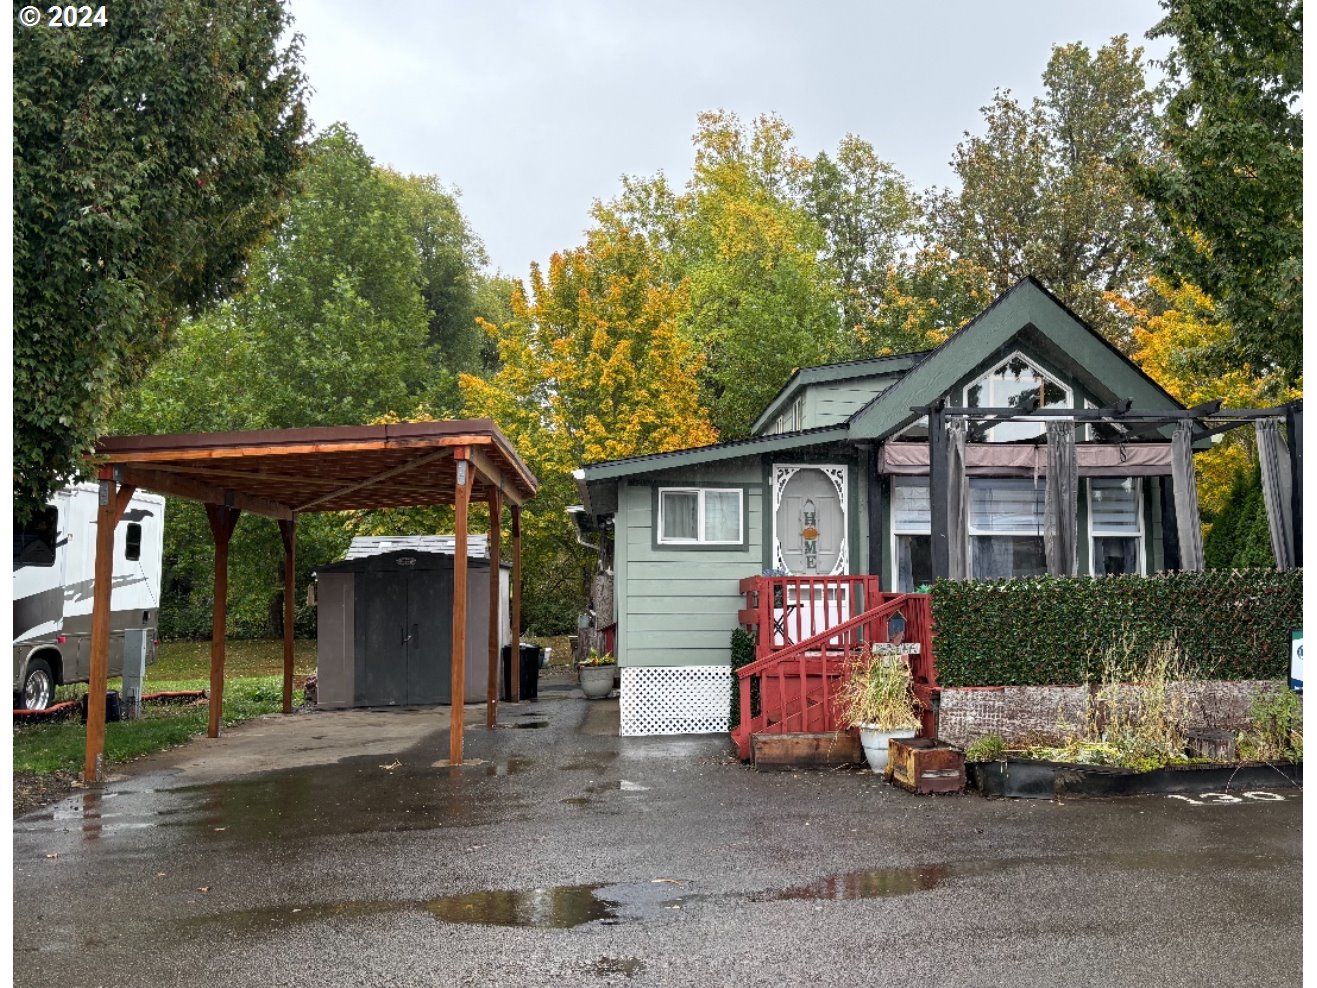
x: 253, y: 685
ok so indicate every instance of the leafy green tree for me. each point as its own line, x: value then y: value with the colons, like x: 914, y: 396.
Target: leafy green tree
x: 763, y: 298
x: 150, y: 155
x: 593, y: 366
x: 451, y: 255
x: 926, y: 297
x: 334, y: 329
x: 1044, y: 191
x: 1231, y: 189
x: 867, y: 212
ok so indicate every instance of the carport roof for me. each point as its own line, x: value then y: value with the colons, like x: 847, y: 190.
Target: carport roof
x: 280, y: 472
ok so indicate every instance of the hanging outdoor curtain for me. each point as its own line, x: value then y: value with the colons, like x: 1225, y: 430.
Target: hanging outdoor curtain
x: 1277, y: 487
x: 957, y: 500
x: 1061, y: 507
x: 1186, y: 497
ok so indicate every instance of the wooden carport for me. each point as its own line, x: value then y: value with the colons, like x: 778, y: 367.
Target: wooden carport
x: 282, y: 473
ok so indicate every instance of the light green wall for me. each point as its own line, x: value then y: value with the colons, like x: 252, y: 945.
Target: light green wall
x: 678, y: 607
x: 834, y: 403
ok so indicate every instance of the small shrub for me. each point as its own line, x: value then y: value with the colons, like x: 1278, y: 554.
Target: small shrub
x: 743, y: 653
x: 878, y: 690
x: 989, y: 748
x: 1275, y: 731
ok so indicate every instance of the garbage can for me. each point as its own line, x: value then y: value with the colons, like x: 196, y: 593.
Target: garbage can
x: 530, y: 671
x: 113, y: 711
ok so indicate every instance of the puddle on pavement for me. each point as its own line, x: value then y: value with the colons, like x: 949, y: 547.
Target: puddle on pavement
x: 876, y: 883
x: 628, y: 966
x: 531, y: 724
x: 558, y: 908
x: 576, y: 801
x: 561, y: 907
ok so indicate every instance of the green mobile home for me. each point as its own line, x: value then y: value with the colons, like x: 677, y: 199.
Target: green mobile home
x: 899, y: 468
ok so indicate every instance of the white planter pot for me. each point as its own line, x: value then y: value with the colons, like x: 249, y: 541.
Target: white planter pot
x: 875, y: 741
x: 597, y: 681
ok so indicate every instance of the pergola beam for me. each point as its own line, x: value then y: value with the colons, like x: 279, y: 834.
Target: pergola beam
x: 495, y: 604
x: 222, y: 522
x: 489, y: 470
x: 288, y: 534
x: 165, y: 482
x: 113, y: 503
x: 461, y: 502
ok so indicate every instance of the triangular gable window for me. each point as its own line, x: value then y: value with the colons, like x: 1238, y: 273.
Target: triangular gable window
x: 1010, y: 385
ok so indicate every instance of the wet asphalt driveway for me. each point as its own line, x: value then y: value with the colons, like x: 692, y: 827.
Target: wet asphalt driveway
x: 564, y: 855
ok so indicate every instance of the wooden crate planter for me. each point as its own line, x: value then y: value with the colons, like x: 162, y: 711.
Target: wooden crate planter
x: 926, y: 765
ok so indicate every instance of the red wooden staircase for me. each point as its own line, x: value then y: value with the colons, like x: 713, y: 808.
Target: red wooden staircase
x: 795, y: 683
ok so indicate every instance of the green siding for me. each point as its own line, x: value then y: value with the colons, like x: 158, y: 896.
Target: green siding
x: 679, y: 608
x: 834, y: 403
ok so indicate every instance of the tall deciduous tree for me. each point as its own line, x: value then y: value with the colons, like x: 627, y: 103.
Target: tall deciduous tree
x: 593, y: 367
x: 867, y: 211
x: 1232, y: 188
x: 763, y: 299
x: 149, y: 156
x: 1044, y: 192
x: 333, y: 329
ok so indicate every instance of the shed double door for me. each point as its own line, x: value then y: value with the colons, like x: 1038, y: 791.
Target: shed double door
x: 406, y: 621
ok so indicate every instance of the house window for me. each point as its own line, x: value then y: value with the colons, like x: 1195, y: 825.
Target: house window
x: 133, y: 541
x: 1010, y: 386
x: 1006, y: 528
x: 911, y: 524
x: 1115, y: 526
x: 700, y: 516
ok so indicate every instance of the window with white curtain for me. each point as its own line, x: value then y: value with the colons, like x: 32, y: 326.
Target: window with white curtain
x: 1115, y: 526
x: 700, y: 516
x: 911, y: 524
x: 1006, y: 527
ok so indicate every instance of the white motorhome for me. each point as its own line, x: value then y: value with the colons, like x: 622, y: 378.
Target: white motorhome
x: 54, y: 563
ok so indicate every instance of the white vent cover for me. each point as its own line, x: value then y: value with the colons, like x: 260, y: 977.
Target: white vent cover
x: 675, y: 700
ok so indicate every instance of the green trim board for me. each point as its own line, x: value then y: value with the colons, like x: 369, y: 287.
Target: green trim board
x: 637, y: 465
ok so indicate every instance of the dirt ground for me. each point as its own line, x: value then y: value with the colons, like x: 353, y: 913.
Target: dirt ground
x: 32, y: 790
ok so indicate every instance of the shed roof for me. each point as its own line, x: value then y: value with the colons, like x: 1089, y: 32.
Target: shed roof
x: 477, y: 545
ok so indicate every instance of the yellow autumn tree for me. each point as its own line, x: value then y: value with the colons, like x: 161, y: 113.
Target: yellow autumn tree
x: 592, y: 367
x: 1181, y: 347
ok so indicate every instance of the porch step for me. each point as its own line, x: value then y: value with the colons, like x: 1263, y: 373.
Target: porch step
x: 781, y: 752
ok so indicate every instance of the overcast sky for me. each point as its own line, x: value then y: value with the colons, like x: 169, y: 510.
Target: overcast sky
x: 534, y: 110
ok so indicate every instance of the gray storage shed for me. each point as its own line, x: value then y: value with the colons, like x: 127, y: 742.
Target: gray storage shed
x: 384, y: 623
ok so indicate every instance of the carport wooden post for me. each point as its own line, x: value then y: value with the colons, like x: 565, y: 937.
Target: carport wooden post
x: 461, y: 501
x: 495, y: 603
x: 222, y: 521
x: 113, y: 503
x: 515, y: 694
x: 288, y: 532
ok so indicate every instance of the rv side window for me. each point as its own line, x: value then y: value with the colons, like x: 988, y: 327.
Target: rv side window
x: 34, y: 542
x: 133, y: 545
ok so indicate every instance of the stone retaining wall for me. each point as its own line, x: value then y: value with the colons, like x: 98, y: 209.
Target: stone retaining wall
x: 1013, y: 711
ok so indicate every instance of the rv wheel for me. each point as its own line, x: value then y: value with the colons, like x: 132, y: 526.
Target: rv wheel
x: 38, y: 685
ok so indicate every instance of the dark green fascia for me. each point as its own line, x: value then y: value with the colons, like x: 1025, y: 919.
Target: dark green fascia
x: 1026, y: 305
x: 638, y: 465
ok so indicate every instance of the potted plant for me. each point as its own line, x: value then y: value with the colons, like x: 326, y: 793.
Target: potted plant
x: 597, y: 672
x: 878, y: 698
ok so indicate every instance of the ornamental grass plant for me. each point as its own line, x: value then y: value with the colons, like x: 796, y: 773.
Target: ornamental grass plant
x: 1134, y: 717
x: 878, y: 692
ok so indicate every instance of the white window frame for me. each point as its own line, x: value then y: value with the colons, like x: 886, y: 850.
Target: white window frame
x: 701, y: 492
x: 991, y: 402
x: 1094, y: 533
x: 896, y: 530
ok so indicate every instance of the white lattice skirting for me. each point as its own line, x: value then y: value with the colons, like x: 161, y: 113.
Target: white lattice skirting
x: 675, y: 700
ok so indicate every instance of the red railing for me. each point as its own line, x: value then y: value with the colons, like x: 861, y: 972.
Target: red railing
x: 781, y: 611
x: 797, y: 683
